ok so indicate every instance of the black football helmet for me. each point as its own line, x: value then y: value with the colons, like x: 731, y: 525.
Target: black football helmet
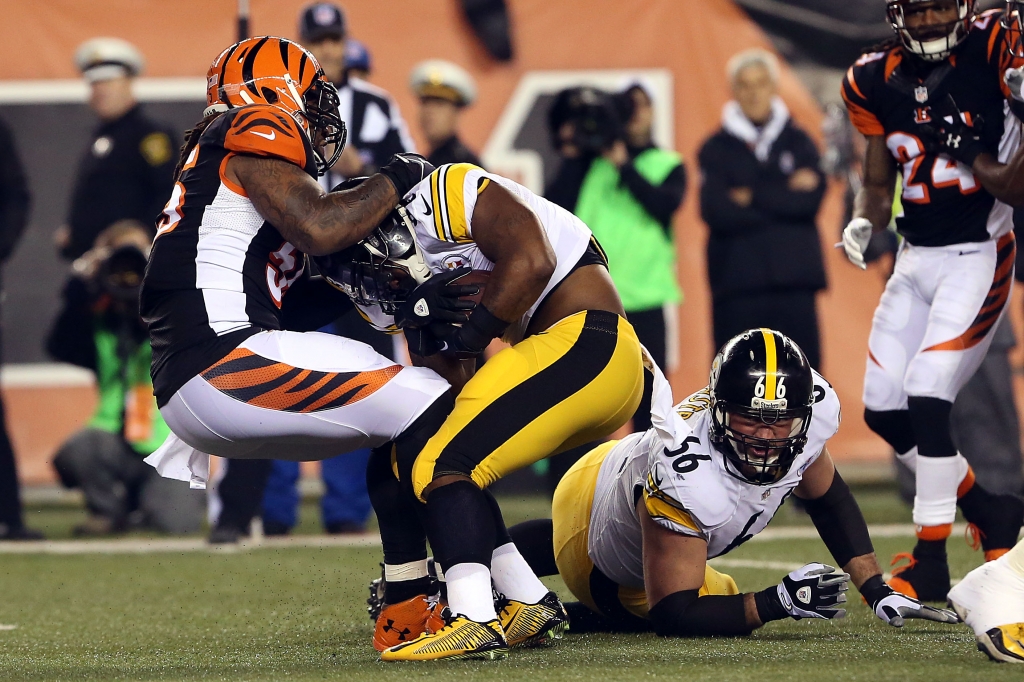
x: 763, y: 375
x: 1013, y: 22
x: 931, y: 43
x: 382, y: 268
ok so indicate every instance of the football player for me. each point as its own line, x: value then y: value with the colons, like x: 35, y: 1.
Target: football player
x: 573, y: 374
x: 635, y: 521
x: 990, y: 599
x: 932, y: 106
x: 226, y: 276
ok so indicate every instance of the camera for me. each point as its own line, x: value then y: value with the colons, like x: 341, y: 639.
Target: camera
x: 589, y: 119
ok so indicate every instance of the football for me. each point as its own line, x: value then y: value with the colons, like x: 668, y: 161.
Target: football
x: 478, y: 278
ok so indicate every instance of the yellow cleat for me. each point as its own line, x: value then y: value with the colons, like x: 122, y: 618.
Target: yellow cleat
x: 459, y: 638
x: 537, y: 624
x: 1004, y: 644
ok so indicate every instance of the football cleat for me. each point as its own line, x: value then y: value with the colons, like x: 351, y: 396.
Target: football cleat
x: 460, y: 638
x: 924, y: 578
x: 996, y: 532
x: 1004, y: 644
x: 405, y: 621
x: 990, y: 599
x: 527, y: 625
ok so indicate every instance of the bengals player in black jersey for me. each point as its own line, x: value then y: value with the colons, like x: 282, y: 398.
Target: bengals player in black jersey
x: 932, y: 104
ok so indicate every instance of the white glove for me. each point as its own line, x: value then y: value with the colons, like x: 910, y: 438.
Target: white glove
x: 814, y: 591
x: 856, y: 237
x: 1014, y: 79
x: 896, y: 607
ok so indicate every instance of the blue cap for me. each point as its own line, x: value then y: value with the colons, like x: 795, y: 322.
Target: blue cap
x: 321, y: 20
x: 357, y: 56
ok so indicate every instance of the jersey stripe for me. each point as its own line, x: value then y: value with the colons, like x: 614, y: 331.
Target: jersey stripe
x: 455, y: 206
x: 771, y: 364
x: 436, y: 199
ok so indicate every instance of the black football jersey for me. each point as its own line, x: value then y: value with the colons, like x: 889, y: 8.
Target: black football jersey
x: 892, y: 93
x: 218, y: 272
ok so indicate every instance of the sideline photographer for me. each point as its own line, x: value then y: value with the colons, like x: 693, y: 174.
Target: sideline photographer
x: 99, y: 328
x: 626, y: 190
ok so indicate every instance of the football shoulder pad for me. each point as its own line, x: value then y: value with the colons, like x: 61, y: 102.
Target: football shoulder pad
x: 263, y: 130
x: 687, y: 479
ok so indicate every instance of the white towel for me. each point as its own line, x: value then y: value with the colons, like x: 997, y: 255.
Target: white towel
x: 177, y: 460
x: 759, y: 140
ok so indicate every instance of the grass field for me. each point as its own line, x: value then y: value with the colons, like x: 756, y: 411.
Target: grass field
x: 299, y: 614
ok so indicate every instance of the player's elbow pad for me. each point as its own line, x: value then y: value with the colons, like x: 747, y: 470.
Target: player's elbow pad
x: 840, y: 523
x: 684, y: 614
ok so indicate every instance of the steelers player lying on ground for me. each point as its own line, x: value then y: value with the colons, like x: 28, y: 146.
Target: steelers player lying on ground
x: 573, y: 374
x: 635, y: 521
x: 226, y: 277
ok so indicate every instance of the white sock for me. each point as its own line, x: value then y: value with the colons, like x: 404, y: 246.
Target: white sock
x: 394, y: 573
x: 1015, y: 558
x: 909, y: 458
x: 469, y: 592
x: 513, y: 577
x: 937, y: 481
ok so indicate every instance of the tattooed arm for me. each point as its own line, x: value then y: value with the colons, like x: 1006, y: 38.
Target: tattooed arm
x: 316, y: 222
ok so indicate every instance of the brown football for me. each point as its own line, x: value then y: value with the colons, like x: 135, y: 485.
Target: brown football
x: 478, y: 278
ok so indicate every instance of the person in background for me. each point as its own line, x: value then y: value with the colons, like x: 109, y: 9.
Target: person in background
x: 444, y: 90
x: 14, y: 206
x: 99, y: 328
x: 126, y: 171
x: 628, y: 197
x: 760, y: 195
x: 358, y: 63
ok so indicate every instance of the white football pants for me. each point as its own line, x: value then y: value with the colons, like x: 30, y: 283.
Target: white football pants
x: 297, y: 396
x: 933, y: 325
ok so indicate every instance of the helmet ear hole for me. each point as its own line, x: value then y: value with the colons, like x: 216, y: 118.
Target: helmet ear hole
x: 269, y: 95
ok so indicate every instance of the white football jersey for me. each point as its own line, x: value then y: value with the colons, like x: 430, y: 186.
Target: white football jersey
x: 684, y: 484
x: 441, y: 206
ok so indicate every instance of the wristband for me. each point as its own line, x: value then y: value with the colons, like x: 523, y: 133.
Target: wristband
x: 875, y: 590
x: 769, y: 605
x: 481, y: 328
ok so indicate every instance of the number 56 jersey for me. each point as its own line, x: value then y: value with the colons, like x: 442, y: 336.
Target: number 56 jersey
x: 892, y: 94
x: 682, y: 480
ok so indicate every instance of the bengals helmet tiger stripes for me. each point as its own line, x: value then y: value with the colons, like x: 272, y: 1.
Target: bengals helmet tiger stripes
x: 281, y: 73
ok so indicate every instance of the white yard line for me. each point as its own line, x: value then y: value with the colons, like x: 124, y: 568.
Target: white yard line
x: 164, y: 545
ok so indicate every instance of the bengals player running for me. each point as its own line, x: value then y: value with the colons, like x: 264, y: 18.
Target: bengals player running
x: 227, y: 275
x: 932, y: 105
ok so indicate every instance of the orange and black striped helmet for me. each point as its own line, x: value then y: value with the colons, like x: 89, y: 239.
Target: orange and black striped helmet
x: 281, y: 73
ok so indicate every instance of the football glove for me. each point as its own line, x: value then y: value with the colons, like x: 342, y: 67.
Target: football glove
x: 437, y: 300
x: 813, y: 591
x: 894, y: 608
x: 470, y: 340
x: 405, y: 171
x: 950, y: 135
x: 1014, y: 79
x: 856, y: 237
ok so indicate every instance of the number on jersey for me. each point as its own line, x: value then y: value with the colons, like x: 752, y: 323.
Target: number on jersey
x: 909, y: 151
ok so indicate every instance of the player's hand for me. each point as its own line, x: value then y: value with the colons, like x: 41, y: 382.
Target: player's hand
x: 437, y: 300
x: 1014, y: 79
x: 949, y: 134
x: 421, y: 342
x: 856, y: 237
x: 405, y: 171
x: 814, y: 591
x: 894, y: 608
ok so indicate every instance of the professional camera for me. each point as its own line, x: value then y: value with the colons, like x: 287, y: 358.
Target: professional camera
x: 588, y: 119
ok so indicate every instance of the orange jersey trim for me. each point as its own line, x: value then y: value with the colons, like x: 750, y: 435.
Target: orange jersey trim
x: 266, y: 130
x: 863, y: 120
x: 237, y: 189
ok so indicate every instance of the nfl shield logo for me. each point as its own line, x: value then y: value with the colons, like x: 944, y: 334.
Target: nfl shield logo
x: 921, y: 94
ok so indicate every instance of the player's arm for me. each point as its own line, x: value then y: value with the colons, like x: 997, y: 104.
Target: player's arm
x: 317, y: 222
x: 674, y: 573
x: 510, y: 235
x: 1004, y: 181
x: 874, y: 200
x: 840, y: 523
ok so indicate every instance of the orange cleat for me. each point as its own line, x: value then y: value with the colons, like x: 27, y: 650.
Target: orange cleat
x: 405, y: 621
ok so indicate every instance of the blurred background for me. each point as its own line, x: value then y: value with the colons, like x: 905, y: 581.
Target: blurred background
x: 492, y: 96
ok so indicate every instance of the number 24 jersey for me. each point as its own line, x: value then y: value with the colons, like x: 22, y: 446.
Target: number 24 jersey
x: 892, y: 94
x: 683, y: 482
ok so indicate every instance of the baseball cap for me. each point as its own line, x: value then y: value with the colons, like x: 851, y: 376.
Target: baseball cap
x: 101, y: 59
x: 321, y: 20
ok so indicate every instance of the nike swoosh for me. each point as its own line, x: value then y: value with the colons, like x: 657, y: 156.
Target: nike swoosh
x: 426, y: 207
x: 967, y: 253
x: 270, y: 136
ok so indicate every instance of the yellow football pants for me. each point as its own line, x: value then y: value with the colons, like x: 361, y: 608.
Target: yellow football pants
x: 570, y: 515
x: 577, y: 381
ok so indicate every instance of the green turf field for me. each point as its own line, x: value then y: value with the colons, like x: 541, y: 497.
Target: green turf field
x: 299, y: 614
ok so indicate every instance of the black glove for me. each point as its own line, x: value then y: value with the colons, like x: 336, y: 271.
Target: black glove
x: 437, y: 300
x: 405, y: 171
x: 470, y: 340
x: 813, y: 591
x: 953, y: 137
x: 894, y: 608
x: 421, y: 341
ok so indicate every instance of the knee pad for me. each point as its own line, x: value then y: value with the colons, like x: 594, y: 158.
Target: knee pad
x: 930, y: 419
x: 894, y: 426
